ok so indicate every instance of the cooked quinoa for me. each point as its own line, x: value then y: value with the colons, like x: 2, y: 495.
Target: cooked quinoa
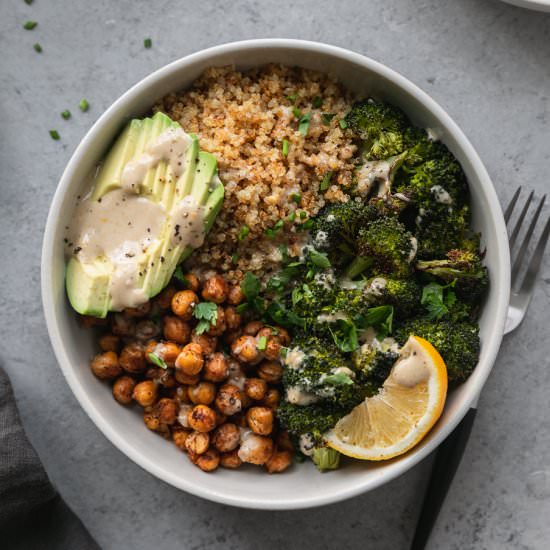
x: 244, y: 119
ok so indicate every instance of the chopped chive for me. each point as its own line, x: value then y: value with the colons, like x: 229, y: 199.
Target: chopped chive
x: 303, y: 215
x: 158, y: 361
x: 296, y: 197
x: 84, y: 105
x: 296, y: 112
x: 293, y: 97
x: 55, y: 135
x: 317, y: 101
x: 343, y: 124
x: 272, y: 231
x: 279, y: 225
x: 30, y: 25
x: 286, y: 147
x: 66, y: 114
x: 325, y: 183
x: 262, y: 343
x: 303, y: 127
x: 327, y: 117
x: 37, y: 48
x: 243, y: 233
x: 291, y: 217
x: 147, y: 43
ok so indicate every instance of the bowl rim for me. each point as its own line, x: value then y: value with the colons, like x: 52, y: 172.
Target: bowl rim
x: 393, y: 469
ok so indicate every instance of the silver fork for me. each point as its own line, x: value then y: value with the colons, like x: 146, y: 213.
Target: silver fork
x: 451, y: 450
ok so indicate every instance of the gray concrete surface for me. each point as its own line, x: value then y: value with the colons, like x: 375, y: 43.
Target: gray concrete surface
x: 486, y: 62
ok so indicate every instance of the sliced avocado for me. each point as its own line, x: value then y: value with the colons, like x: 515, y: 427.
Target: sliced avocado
x: 87, y: 286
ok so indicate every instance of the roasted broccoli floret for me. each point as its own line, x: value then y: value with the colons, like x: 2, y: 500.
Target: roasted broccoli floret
x: 315, y: 419
x: 373, y: 363
x: 403, y: 294
x: 385, y: 247
x: 380, y: 126
x: 457, y: 343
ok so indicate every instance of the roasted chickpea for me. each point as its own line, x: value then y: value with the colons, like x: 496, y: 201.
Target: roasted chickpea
x: 179, y: 437
x: 208, y: 461
x: 273, y: 349
x: 230, y: 460
x: 202, y: 393
x: 284, y: 442
x: 278, y: 462
x: 226, y: 437
x: 109, y: 342
x: 252, y: 328
x: 283, y: 336
x: 88, y: 321
x: 122, y: 325
x: 237, y: 376
x: 272, y: 398
x: 232, y: 318
x: 260, y: 420
x: 152, y: 420
x: 139, y: 311
x: 167, y: 351
x: 215, y: 289
x: 183, y: 378
x: 164, y: 299
x: 197, y: 442
x: 235, y: 295
x: 106, y: 365
x: 202, y: 418
x: 216, y: 368
x: 182, y: 394
x: 191, y: 282
x: 255, y: 449
x: 123, y: 389
x: 231, y: 335
x: 163, y: 376
x: 229, y: 399
x: 147, y: 329
x: 174, y: 328
x: 245, y: 349
x: 183, y: 416
x: 255, y: 388
x: 145, y: 393
x: 183, y: 304
x: 270, y: 371
x: 207, y: 343
x: 167, y: 410
x: 191, y: 359
x: 132, y: 358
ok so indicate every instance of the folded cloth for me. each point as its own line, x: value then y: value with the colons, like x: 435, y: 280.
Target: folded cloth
x: 32, y: 514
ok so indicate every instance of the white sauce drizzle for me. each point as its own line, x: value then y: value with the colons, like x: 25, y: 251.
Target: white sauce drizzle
x: 297, y: 396
x: 441, y: 195
x: 294, y: 358
x: 411, y: 368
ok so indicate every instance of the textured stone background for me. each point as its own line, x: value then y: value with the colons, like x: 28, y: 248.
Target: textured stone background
x: 486, y: 62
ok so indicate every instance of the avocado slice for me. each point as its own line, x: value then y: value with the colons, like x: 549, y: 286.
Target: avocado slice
x: 88, y: 283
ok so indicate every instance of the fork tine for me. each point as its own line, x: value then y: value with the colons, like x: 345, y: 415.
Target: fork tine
x: 523, y: 248
x: 511, y: 205
x: 536, y: 260
x: 517, y: 228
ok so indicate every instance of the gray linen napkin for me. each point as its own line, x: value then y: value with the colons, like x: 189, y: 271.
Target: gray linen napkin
x: 32, y: 514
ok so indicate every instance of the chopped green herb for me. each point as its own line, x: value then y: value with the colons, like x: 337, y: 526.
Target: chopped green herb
x: 325, y: 182
x: 327, y: 117
x: 308, y: 224
x: 37, y: 48
x: 55, y: 134
x: 262, y: 343
x: 286, y: 147
x: 207, y: 314
x: 437, y: 299
x: 84, y: 105
x: 296, y: 112
x: 250, y: 286
x: 293, y: 97
x: 241, y: 308
x: 243, y: 233
x: 303, y: 126
x: 338, y: 379
x: 234, y: 258
x: 158, y: 361
x: 343, y: 124
x: 147, y: 43
x: 30, y: 25
x: 66, y: 114
x: 291, y: 217
x: 346, y: 337
x: 303, y: 214
x: 179, y: 276
x: 296, y: 197
x: 317, y: 101
x: 319, y: 259
x: 272, y: 231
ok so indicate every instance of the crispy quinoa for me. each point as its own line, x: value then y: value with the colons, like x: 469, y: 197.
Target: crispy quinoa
x: 244, y: 118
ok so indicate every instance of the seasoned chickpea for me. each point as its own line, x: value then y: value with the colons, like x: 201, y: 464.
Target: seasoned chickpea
x: 231, y: 335
x: 245, y: 349
x: 232, y: 318
x: 216, y: 368
x: 202, y: 393
x: 191, y: 359
x: 235, y: 295
x: 237, y: 376
x: 260, y: 420
x: 152, y: 420
x: 147, y: 329
x: 273, y: 349
x: 191, y: 282
x: 183, y: 304
x: 122, y: 325
x: 282, y: 336
x: 179, y: 437
x: 167, y: 351
x: 176, y: 329
x: 270, y: 371
x: 255, y: 388
x: 123, y: 389
x: 183, y: 416
x: 256, y: 449
x: 208, y: 461
x: 207, y: 343
x: 88, y: 321
x: 219, y: 326
x: 197, y: 442
x: 164, y: 299
x: 215, y: 289
x: 284, y: 442
x: 226, y: 437
x: 106, y: 365
x: 229, y: 399
x: 132, y: 358
x: 230, y: 460
x: 202, y: 418
x: 278, y: 462
x: 182, y: 394
x: 167, y: 410
x: 252, y: 328
x: 145, y: 393
x: 188, y: 379
x: 139, y: 311
x: 109, y: 342
x: 272, y: 398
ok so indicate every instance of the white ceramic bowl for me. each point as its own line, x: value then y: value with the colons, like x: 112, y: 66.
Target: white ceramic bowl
x: 302, y: 486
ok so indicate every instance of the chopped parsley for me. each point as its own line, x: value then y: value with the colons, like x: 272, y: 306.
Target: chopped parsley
x: 303, y: 214
x: 437, y: 299
x: 207, y: 315
x: 30, y: 25
x: 286, y: 147
x: 325, y: 182
x: 291, y: 217
x: 147, y: 43
x: 66, y: 114
x: 327, y: 117
x: 84, y: 105
x: 292, y: 97
x: 272, y: 231
x: 317, y: 101
x: 54, y: 134
x: 243, y: 233
x: 296, y: 197
x: 318, y: 259
x: 158, y: 361
x: 37, y: 48
x: 343, y: 124
x: 262, y: 343
x: 179, y: 276
x: 303, y: 125
x: 296, y: 112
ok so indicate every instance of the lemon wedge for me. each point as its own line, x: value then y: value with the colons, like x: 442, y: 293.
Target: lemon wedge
x: 396, y: 419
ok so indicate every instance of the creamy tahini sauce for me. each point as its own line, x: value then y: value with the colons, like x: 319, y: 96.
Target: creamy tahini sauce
x: 411, y: 369
x: 188, y: 223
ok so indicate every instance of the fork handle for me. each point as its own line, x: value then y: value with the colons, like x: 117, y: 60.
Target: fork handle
x: 447, y: 459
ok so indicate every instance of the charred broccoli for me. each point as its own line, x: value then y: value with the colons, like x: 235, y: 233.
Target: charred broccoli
x: 403, y: 294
